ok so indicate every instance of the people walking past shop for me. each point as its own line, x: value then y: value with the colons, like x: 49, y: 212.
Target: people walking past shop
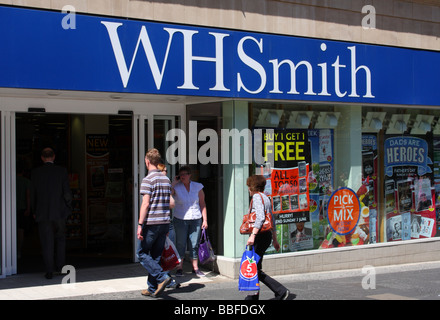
x: 51, y: 202
x: 189, y: 217
x: 171, y: 234
x: 154, y: 219
x: 262, y: 240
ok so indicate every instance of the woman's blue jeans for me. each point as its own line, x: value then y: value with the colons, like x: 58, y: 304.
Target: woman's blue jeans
x: 187, y: 232
x: 149, y: 251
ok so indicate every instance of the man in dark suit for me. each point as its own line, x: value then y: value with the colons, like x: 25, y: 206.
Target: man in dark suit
x: 51, y: 200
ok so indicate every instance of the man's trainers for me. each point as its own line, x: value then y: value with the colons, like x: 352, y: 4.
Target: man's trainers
x: 179, y: 273
x: 173, y: 284
x: 146, y: 293
x: 161, y: 287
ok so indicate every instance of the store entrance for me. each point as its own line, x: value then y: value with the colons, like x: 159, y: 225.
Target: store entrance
x: 97, y: 151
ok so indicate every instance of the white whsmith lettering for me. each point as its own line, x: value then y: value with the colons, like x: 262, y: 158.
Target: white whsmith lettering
x: 253, y: 62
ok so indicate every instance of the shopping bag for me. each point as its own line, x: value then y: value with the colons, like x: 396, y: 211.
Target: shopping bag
x: 170, y: 257
x: 248, y: 279
x: 206, y: 253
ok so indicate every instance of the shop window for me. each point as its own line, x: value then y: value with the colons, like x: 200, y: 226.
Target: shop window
x: 410, y: 161
x: 342, y: 176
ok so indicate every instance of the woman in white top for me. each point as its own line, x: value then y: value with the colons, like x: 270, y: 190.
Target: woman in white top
x: 189, y: 216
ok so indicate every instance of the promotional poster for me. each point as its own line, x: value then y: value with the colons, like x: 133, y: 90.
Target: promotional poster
x: 409, y: 187
x: 300, y: 181
x: 287, y: 179
x: 370, y: 177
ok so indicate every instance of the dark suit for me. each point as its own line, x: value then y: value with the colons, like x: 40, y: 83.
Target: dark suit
x: 51, y: 201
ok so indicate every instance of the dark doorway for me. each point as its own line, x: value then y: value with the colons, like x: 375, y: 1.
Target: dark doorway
x: 99, y: 230
x: 208, y: 116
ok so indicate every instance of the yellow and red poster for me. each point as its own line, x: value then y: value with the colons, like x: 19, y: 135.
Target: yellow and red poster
x: 286, y: 152
x: 290, y: 195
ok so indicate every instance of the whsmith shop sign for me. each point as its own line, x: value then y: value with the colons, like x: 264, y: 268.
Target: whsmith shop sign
x: 121, y: 55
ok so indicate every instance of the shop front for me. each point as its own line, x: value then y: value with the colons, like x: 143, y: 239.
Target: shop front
x: 103, y: 147
x: 386, y: 156
x: 346, y: 134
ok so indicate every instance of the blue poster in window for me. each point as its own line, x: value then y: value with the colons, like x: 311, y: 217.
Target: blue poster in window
x: 407, y: 151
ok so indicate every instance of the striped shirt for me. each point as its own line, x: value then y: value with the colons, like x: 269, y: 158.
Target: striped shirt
x: 158, y: 187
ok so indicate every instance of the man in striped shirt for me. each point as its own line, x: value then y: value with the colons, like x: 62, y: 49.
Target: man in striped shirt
x: 154, y: 220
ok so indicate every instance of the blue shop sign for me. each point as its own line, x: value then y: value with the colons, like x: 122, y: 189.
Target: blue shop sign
x: 120, y: 55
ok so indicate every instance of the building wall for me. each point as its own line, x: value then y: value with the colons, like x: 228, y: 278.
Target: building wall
x: 414, y: 24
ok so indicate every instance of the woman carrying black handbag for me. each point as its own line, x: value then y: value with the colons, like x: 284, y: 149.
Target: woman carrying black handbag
x: 262, y: 240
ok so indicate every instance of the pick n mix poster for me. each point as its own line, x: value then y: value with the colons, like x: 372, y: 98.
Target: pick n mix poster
x: 364, y: 228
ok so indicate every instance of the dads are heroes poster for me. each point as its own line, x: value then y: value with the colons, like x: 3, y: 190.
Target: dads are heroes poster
x: 409, y: 188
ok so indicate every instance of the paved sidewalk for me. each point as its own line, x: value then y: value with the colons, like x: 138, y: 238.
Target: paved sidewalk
x: 410, y: 281
x: 88, y: 281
